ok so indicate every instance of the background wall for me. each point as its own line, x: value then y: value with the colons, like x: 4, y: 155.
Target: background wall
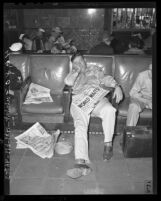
x: 77, y: 24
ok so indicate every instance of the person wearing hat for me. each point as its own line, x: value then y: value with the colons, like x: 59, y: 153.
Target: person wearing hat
x: 27, y: 43
x: 57, y: 33
x: 38, y: 42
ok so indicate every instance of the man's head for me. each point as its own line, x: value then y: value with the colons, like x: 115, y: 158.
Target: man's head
x: 78, y: 61
x: 106, y: 38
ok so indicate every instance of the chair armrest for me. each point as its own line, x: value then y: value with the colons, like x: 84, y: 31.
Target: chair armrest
x: 67, y: 94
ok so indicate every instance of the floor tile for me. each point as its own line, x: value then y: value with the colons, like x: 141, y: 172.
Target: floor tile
x: 52, y: 186
x: 140, y: 169
x: 116, y: 187
x: 113, y: 170
x: 27, y: 186
x: 14, y: 162
x: 78, y: 186
x: 58, y: 166
x: 32, y: 167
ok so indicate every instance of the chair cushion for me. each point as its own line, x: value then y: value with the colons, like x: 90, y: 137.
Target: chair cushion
x: 123, y: 108
x: 56, y: 107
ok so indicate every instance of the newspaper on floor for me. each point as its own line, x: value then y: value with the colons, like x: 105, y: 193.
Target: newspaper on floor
x: 38, y: 140
x: 37, y: 94
x: 87, y: 101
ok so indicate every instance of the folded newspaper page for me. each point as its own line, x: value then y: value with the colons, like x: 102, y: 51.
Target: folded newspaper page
x: 38, y: 140
x: 88, y: 100
x: 37, y: 94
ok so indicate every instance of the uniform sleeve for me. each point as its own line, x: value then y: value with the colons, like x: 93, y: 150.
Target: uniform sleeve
x: 136, y: 88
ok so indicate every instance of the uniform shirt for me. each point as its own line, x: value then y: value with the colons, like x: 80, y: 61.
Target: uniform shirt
x: 142, y: 87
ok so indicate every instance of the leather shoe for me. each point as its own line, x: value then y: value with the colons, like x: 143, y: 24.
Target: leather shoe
x: 108, y: 152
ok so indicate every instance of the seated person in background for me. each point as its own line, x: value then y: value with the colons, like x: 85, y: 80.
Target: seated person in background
x: 141, y: 96
x: 69, y: 46
x: 57, y: 49
x: 84, y: 78
x: 134, y: 46
x: 104, y: 47
x: 49, y: 43
x: 148, y: 41
x: 26, y: 41
x: 140, y: 38
x: 57, y: 35
x: 38, y: 42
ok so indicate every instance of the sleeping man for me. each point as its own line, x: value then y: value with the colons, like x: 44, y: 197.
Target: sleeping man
x: 89, y: 87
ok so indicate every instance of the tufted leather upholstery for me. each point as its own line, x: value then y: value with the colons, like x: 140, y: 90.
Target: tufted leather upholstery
x: 49, y: 71
x: 127, y: 68
x: 22, y: 62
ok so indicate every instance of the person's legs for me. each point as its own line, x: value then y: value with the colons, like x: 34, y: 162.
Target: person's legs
x: 135, y: 107
x: 81, y: 121
x: 106, y: 112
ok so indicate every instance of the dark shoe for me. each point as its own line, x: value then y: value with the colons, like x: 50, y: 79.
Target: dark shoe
x: 108, y: 152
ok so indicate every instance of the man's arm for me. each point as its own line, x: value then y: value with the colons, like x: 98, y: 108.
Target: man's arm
x: 135, y: 91
x: 109, y: 81
x: 72, y: 76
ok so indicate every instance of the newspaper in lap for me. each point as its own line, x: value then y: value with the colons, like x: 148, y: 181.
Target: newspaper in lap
x: 89, y: 99
x: 37, y: 94
x: 38, y: 140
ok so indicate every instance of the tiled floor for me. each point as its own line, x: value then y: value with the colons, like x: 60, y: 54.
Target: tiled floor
x: 30, y: 174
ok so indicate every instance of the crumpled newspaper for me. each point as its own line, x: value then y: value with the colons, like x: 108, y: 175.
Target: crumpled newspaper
x: 38, y: 140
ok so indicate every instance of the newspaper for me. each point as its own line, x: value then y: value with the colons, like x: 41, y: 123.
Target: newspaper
x: 37, y: 94
x: 89, y: 99
x: 38, y: 140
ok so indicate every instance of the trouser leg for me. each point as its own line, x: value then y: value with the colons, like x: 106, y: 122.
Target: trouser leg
x: 107, y: 113
x: 81, y: 121
x: 133, y: 114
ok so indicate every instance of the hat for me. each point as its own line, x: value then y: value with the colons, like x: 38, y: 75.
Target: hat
x: 42, y: 30
x: 21, y: 36
x: 63, y: 147
x: 15, y: 47
x: 57, y: 30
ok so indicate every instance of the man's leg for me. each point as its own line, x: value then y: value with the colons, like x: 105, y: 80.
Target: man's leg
x: 135, y: 107
x: 106, y: 112
x: 81, y: 121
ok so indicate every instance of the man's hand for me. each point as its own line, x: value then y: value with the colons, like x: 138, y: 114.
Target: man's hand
x: 118, y: 94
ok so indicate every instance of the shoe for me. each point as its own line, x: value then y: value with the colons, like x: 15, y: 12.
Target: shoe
x: 79, y: 170
x: 108, y: 152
